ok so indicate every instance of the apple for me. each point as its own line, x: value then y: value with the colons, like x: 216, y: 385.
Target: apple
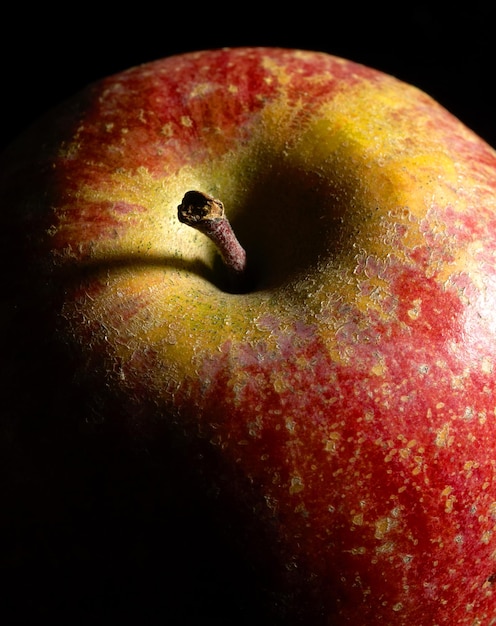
x: 339, y: 406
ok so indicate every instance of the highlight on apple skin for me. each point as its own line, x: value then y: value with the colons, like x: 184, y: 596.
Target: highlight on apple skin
x: 343, y: 408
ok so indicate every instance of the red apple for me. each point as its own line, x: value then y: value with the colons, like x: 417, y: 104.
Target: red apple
x: 343, y: 407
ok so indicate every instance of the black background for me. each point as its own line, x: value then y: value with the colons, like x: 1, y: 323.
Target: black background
x: 47, y: 54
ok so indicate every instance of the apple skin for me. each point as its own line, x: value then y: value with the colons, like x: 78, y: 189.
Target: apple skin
x: 343, y: 410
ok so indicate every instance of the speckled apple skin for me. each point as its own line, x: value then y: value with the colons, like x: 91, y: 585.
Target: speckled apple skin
x: 346, y: 404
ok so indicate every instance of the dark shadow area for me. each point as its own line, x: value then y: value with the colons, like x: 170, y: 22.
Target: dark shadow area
x: 72, y: 273
x: 99, y: 525
x: 288, y: 221
x: 218, y: 276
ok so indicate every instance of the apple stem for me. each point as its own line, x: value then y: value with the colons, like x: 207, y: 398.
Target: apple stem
x: 206, y: 214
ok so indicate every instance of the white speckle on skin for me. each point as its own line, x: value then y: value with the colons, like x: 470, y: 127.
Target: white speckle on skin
x: 167, y: 130
x: 487, y: 365
x: 414, y: 312
x: 443, y: 438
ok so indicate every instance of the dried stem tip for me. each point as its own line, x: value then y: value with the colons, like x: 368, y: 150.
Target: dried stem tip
x: 205, y: 213
x: 198, y: 207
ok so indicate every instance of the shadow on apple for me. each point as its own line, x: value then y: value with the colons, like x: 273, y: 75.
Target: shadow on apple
x: 97, y: 527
